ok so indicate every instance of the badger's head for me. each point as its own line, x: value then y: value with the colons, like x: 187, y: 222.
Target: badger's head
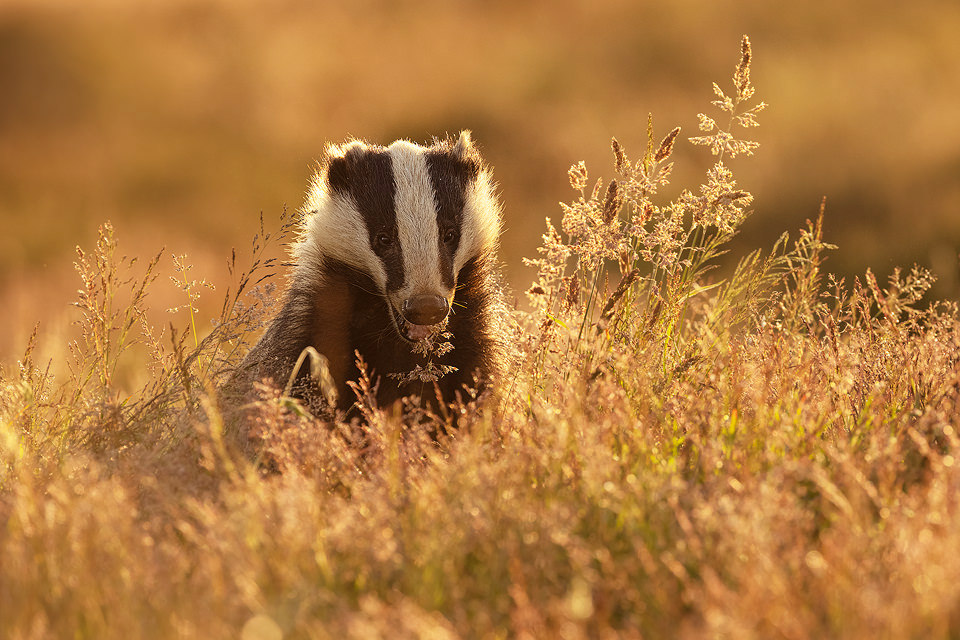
x: 408, y: 217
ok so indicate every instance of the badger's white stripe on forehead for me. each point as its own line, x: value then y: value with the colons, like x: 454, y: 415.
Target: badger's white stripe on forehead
x: 416, y: 212
x: 334, y: 229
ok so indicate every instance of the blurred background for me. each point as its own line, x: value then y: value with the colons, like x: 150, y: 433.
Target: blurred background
x: 182, y: 120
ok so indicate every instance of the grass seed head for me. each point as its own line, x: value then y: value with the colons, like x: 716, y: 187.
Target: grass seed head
x: 666, y: 145
x: 612, y: 202
x: 741, y: 77
x: 621, y: 164
x: 578, y: 176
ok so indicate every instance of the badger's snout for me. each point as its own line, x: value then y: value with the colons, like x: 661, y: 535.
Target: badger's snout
x: 425, y: 309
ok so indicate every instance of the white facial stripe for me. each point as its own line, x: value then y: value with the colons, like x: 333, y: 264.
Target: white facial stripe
x: 335, y: 229
x: 416, y: 211
x: 481, y: 221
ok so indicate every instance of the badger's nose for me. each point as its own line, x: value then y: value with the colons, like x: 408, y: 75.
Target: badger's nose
x: 425, y: 309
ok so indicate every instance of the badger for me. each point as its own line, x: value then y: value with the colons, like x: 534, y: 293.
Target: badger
x: 394, y: 244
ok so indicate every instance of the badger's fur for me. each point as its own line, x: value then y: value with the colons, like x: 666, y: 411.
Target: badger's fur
x: 393, y: 241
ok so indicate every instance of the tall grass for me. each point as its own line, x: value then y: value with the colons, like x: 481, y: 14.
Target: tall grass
x: 674, y: 454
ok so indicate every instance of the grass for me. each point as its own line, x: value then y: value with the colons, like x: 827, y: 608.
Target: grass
x: 673, y: 454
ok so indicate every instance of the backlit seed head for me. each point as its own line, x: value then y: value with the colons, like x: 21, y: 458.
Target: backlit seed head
x: 666, y: 145
x: 612, y: 202
x: 578, y: 176
x: 620, y: 158
x: 741, y: 78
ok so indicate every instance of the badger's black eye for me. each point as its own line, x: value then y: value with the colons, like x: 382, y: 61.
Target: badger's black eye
x: 449, y: 236
x: 383, y: 241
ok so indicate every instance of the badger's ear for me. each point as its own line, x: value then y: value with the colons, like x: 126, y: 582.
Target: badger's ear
x: 464, y: 144
x: 464, y: 150
x: 339, y: 162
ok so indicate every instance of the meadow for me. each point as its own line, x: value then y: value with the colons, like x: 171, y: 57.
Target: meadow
x: 673, y: 452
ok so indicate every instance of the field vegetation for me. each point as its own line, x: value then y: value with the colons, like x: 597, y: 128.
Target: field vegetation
x: 673, y: 452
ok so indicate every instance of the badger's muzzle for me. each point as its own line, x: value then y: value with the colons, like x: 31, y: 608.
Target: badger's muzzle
x: 421, y: 313
x: 425, y: 310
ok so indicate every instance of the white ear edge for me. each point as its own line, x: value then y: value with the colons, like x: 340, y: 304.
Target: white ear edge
x: 464, y: 143
x: 341, y: 150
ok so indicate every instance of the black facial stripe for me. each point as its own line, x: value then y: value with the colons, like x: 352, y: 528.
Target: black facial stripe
x: 450, y: 177
x: 365, y: 174
x: 349, y: 274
